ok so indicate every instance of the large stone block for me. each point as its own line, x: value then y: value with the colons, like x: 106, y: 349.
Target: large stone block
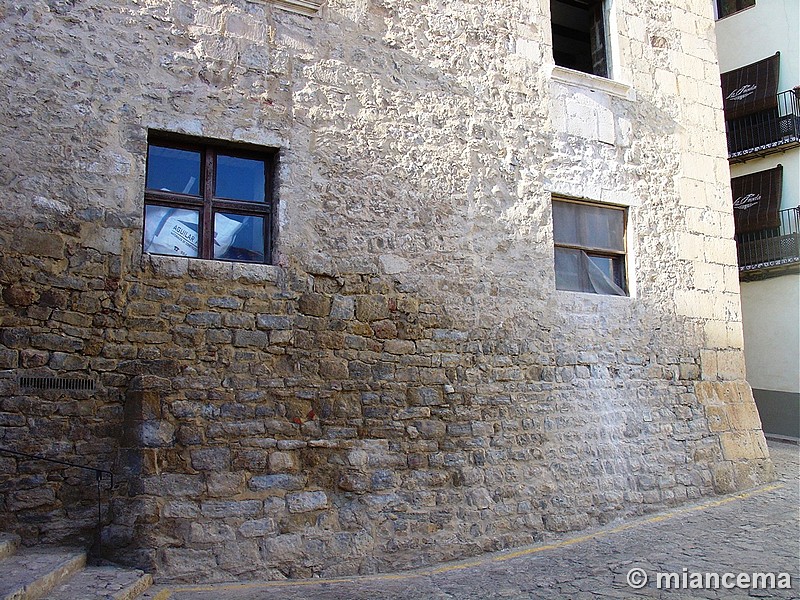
x: 371, y: 308
x: 306, y: 501
x: 317, y: 305
x: 277, y: 482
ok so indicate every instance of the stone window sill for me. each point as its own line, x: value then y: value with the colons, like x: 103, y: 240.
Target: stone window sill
x: 302, y: 7
x: 593, y: 82
x: 597, y: 298
x: 196, y: 268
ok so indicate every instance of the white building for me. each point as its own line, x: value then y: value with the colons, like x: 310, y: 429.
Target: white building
x: 759, y: 56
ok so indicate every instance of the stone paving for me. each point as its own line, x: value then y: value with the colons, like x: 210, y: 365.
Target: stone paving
x: 752, y: 532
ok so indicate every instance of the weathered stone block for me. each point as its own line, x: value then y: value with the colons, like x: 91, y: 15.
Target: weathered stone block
x: 183, y: 562
x: 39, y: 243
x: 415, y: 412
x: 222, y: 485
x: 290, y: 444
x: 160, y: 368
x: 306, y: 502
x: 9, y: 359
x: 12, y: 420
x: 211, y: 459
x: 425, y: 396
x: 353, y: 481
x: 384, y: 330
x: 235, y: 508
x: 286, y: 548
x: 17, y: 295
x: 53, y: 341
x: 480, y: 498
x: 169, y: 484
x: 333, y: 368
x: 283, y: 462
x: 382, y: 480
x: 258, y: 528
x: 342, y: 307
x: 743, y: 416
x: 225, y: 302
x: 372, y: 308
x: 274, y: 322
x: 33, y: 498
x: 743, y: 445
x: 244, y: 338
x: 400, y: 347
x: 317, y: 305
x: 204, y: 319
x: 252, y: 460
x: 156, y: 434
x: 181, y: 509
x: 277, y: 482
x: 33, y: 358
x: 211, y: 533
x: 717, y: 418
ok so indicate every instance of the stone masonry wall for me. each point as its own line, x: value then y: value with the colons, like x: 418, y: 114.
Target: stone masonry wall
x: 405, y: 385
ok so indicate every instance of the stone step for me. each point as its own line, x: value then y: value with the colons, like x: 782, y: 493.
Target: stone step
x: 9, y: 542
x: 107, y: 583
x: 31, y: 573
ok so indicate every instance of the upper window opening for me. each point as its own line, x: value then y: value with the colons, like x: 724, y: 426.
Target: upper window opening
x: 589, y: 247
x: 579, y: 35
x: 207, y: 200
x: 729, y: 7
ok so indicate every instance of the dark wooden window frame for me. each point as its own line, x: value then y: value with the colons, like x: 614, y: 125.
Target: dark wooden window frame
x: 738, y: 6
x: 618, y: 257
x: 206, y: 203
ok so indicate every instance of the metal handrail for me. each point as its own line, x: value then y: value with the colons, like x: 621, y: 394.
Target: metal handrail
x: 766, y: 131
x: 771, y: 246
x: 98, y: 473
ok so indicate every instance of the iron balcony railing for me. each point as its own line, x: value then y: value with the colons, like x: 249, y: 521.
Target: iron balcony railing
x: 773, y: 247
x: 771, y: 130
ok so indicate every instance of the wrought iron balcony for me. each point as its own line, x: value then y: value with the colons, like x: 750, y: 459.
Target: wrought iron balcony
x: 766, y: 132
x: 771, y: 248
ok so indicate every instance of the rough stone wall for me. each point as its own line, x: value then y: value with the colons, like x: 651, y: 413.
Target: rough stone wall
x: 405, y: 385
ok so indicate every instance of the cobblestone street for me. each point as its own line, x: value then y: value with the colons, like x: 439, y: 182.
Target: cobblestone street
x: 757, y: 531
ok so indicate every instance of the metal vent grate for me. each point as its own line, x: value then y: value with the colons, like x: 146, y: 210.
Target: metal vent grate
x: 56, y: 383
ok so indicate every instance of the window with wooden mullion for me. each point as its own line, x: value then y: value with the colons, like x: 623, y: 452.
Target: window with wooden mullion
x: 207, y: 201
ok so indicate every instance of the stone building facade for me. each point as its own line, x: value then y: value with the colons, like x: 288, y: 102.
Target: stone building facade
x: 403, y: 383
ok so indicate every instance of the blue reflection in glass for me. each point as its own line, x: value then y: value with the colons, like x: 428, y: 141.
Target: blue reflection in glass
x: 173, y: 170
x: 238, y: 237
x: 240, y: 178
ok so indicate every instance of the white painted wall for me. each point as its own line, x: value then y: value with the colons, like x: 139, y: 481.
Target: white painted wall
x: 770, y: 308
x: 771, y: 323
x: 758, y: 32
x: 752, y: 34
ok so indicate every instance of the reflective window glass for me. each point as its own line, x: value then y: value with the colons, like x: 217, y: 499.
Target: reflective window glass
x: 240, y: 178
x: 238, y: 237
x: 173, y: 170
x: 171, y: 230
x: 568, y: 271
x: 589, y: 247
x: 588, y: 225
x: 208, y: 200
